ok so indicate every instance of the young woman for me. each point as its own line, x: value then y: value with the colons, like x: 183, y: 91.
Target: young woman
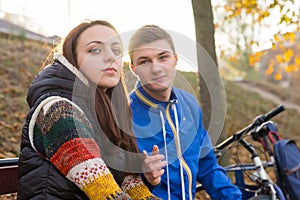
x: 77, y: 141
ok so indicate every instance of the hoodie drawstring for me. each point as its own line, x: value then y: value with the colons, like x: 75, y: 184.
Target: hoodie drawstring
x: 166, y: 152
x: 179, y: 147
x: 179, y: 153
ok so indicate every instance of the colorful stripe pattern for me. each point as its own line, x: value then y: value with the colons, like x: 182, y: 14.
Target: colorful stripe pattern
x: 135, y: 187
x: 63, y: 135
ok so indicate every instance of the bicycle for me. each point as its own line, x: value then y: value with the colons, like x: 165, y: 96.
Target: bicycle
x: 263, y: 130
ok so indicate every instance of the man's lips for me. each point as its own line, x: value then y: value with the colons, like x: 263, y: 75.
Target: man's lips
x: 158, y: 78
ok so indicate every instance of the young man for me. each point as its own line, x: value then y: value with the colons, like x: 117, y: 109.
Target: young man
x: 169, y: 120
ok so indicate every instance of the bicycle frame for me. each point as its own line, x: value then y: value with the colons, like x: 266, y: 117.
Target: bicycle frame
x: 266, y: 186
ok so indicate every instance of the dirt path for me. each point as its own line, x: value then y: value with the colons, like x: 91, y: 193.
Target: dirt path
x: 270, y: 96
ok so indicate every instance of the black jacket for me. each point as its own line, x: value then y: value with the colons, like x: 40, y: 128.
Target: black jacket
x: 38, y: 178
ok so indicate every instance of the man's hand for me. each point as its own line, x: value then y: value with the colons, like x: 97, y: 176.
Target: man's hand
x: 152, y: 166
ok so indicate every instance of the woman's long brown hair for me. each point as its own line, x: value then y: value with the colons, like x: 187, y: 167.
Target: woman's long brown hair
x: 114, y: 116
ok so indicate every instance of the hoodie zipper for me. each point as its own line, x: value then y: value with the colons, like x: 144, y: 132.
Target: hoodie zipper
x: 175, y: 130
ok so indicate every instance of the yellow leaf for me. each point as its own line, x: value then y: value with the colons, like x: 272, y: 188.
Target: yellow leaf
x: 277, y: 39
x: 274, y: 46
x: 258, y: 54
x: 260, y: 18
x: 232, y: 58
x: 270, y: 70
x: 278, y: 76
x: 289, y: 68
x: 297, y: 60
x: 279, y: 58
x: 287, y: 55
x: 286, y: 36
x: 227, y: 8
x: 293, y: 68
x: 237, y: 12
x: 292, y: 38
x: 267, y: 13
x: 251, y: 61
x: 293, y: 35
x: 290, y: 52
x: 281, y: 46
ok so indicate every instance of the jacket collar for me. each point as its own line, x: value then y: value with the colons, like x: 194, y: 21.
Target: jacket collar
x: 148, y: 100
x: 72, y: 68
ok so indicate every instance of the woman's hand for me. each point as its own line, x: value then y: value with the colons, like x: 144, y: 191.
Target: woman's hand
x: 152, y: 166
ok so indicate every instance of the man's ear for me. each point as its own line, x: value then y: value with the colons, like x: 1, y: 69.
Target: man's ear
x: 176, y: 58
x: 132, y: 67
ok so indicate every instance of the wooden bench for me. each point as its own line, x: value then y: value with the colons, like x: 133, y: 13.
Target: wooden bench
x: 8, y: 175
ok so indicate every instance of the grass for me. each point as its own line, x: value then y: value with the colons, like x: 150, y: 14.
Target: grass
x: 19, y: 63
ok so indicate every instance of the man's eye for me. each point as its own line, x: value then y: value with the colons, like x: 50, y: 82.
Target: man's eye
x: 117, y: 52
x: 163, y: 57
x: 143, y: 62
x: 95, y: 51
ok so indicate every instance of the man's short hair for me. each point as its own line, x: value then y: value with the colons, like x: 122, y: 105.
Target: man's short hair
x: 147, y: 34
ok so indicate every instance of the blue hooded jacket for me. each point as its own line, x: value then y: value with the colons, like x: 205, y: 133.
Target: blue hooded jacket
x: 176, y: 127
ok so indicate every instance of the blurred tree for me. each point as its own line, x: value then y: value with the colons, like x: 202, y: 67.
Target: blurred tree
x: 211, y: 89
x: 283, y: 61
x: 204, y: 28
x: 250, y: 26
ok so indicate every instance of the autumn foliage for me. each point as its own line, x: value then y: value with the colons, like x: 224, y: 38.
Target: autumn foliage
x: 255, y: 28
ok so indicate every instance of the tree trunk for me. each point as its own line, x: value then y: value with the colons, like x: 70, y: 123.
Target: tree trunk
x: 205, y: 37
x: 212, y: 94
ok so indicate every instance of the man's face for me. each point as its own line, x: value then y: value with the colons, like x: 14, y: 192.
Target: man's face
x: 154, y: 64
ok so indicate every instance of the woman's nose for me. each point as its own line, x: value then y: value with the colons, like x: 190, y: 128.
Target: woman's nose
x: 109, y: 56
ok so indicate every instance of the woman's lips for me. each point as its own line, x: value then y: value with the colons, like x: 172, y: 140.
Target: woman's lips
x: 110, y: 70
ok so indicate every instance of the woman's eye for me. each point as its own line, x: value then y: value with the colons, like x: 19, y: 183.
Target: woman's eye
x: 95, y: 51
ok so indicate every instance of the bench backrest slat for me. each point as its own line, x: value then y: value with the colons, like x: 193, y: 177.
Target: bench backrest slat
x: 8, y: 176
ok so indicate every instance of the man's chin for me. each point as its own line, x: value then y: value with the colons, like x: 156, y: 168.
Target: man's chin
x: 156, y: 87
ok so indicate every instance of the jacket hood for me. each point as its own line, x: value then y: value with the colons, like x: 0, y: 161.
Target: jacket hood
x: 59, y: 78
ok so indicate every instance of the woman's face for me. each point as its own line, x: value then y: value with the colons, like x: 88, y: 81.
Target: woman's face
x: 99, y: 55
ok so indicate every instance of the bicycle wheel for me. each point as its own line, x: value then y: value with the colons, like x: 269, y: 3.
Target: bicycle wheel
x: 260, y: 197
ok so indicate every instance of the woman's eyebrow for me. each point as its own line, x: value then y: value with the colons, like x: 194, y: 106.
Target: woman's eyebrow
x: 94, y: 41
x: 99, y: 42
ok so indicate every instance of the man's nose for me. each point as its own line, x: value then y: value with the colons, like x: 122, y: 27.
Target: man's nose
x: 156, y: 66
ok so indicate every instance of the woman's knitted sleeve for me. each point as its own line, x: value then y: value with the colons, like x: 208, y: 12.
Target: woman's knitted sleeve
x: 64, y: 136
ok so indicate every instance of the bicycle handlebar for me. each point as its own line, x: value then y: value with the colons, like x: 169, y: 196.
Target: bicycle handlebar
x: 263, y: 118
x: 257, y: 121
x: 274, y: 112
